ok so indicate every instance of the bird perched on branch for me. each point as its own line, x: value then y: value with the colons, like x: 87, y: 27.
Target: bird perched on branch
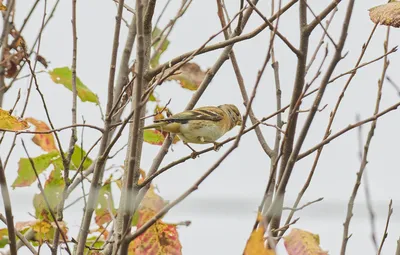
x: 202, y: 125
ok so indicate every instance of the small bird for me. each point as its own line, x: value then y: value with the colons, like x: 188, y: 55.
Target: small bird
x: 202, y: 125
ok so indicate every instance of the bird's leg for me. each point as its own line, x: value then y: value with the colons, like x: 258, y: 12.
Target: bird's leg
x: 195, y: 154
x: 217, y: 146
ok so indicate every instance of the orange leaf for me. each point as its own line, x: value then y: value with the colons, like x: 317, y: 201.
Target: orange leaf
x: 256, y: 244
x: 189, y: 76
x: 161, y: 238
x: 10, y: 122
x: 300, y: 242
x: 44, y: 141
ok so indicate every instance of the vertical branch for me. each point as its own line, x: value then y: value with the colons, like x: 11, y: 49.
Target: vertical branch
x: 73, y: 138
x: 129, y: 193
x: 3, y: 44
x: 134, y: 132
x: 8, y: 210
x: 204, y: 84
x: 288, y: 163
x: 328, y: 129
x: 293, y: 114
x: 124, y: 70
x: 103, y: 154
x: 349, y: 215
x: 385, y: 232
x: 46, y: 200
x: 241, y: 84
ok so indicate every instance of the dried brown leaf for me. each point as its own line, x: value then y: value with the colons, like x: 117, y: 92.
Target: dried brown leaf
x: 386, y: 14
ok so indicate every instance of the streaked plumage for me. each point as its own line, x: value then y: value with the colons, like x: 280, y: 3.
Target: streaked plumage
x: 202, y: 125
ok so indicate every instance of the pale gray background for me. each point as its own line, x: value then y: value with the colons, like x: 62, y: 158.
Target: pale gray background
x: 223, y: 210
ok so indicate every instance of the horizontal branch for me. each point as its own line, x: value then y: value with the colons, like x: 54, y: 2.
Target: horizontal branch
x: 350, y: 127
x: 150, y: 74
x: 18, y: 132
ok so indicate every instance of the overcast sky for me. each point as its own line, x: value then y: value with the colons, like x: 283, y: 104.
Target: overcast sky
x: 224, y: 207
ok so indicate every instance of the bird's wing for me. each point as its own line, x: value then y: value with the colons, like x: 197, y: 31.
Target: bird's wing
x: 202, y: 113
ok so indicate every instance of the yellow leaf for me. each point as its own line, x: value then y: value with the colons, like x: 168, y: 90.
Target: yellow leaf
x: 256, y: 244
x: 10, y: 122
x: 42, y: 227
x: 2, y: 6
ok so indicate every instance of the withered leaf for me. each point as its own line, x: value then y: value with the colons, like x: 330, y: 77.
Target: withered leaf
x: 189, y: 76
x: 386, y: 14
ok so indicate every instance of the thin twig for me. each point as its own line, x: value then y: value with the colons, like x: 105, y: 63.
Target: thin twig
x: 23, y: 238
x: 385, y: 232
x: 227, y: 43
x: 295, y: 209
x: 367, y: 192
x: 328, y: 128
x: 241, y: 84
x: 46, y: 199
x: 101, y: 160
x: 8, y: 209
x: 288, y: 162
x: 346, y: 224
x: 194, y: 187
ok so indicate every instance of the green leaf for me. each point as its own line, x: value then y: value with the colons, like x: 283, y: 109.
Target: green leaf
x: 77, y: 158
x: 155, y: 61
x: 105, y: 204
x: 153, y: 137
x: 153, y: 98
x: 26, y: 174
x: 63, y: 75
x: 54, y: 188
x: 3, y: 237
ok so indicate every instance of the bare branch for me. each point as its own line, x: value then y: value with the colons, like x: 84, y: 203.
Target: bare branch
x: 101, y: 160
x: 23, y: 239
x: 46, y: 199
x: 346, y: 224
x: 8, y: 210
x: 385, y: 233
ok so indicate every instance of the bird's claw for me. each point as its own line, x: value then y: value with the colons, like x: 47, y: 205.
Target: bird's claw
x: 217, y: 146
x: 194, y: 154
